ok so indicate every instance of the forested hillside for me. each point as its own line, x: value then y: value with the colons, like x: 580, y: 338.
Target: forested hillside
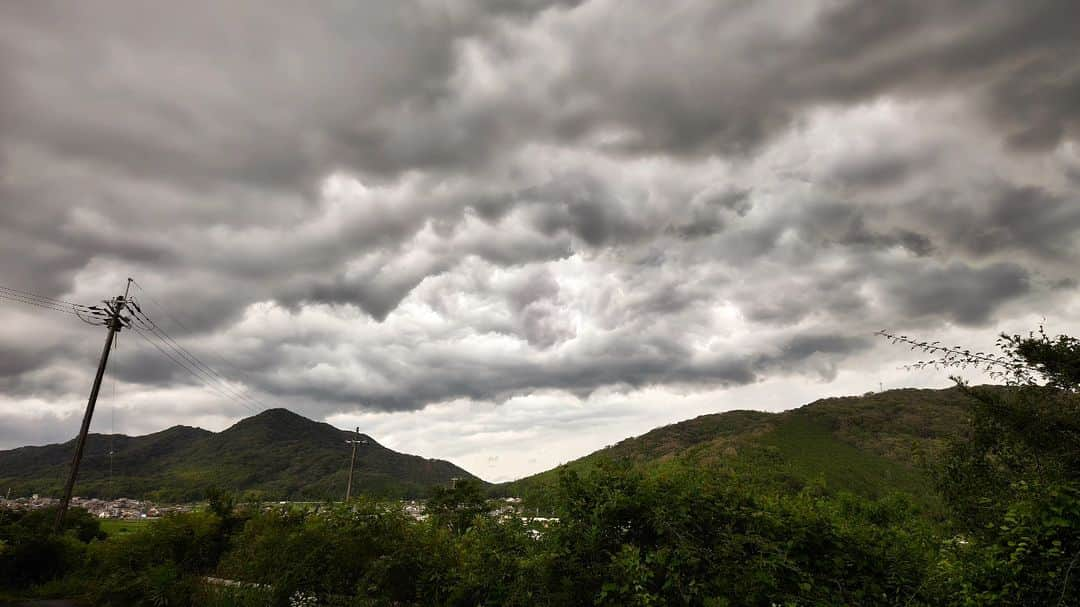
x: 276, y: 454
x: 868, y: 444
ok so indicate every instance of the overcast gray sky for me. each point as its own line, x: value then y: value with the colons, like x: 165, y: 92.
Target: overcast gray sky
x: 510, y: 233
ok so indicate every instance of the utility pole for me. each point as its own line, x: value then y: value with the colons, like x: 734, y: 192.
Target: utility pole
x: 352, y: 461
x: 114, y: 324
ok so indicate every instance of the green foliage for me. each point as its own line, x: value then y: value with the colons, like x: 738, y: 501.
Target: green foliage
x: 31, y: 553
x: 1056, y: 359
x: 1012, y: 483
x: 809, y: 452
x: 503, y: 563
x: 364, y: 548
x: 458, y: 506
x: 159, y: 563
x: 1030, y: 557
x: 274, y: 455
x: 628, y: 538
x: 818, y: 506
x: 870, y: 445
x: 625, y: 537
x: 113, y: 527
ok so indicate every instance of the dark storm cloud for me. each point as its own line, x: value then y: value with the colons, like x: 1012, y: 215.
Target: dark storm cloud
x: 278, y: 112
x: 795, y: 300
x: 879, y: 170
x: 1011, y: 218
x: 1008, y: 57
x: 385, y: 205
x: 626, y: 361
x: 534, y: 301
x: 966, y: 295
x: 710, y: 213
x: 753, y: 68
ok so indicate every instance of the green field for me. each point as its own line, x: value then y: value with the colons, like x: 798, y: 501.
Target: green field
x: 117, y: 527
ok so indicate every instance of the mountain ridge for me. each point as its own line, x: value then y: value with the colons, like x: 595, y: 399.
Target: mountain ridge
x: 868, y: 444
x: 275, y: 454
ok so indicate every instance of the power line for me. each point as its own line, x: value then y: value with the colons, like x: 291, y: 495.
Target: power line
x: 158, y: 337
x: 40, y: 304
x: 43, y: 298
x: 174, y: 318
x: 148, y: 324
x: 178, y: 358
x: 91, y: 315
x: 194, y: 372
x: 161, y: 306
x: 100, y: 316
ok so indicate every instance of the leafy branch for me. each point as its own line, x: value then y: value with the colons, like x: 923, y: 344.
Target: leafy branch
x: 1010, y: 367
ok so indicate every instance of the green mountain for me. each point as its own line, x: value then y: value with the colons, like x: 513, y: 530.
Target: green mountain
x: 276, y: 454
x: 866, y: 444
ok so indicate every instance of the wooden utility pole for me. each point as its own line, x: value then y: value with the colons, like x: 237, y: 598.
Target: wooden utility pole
x: 352, y: 461
x: 114, y: 324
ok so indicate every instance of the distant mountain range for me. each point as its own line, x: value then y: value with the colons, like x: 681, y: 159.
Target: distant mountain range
x: 866, y: 444
x: 276, y: 454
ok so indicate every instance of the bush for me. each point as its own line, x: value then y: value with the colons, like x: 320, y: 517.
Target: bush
x: 683, y: 539
x: 157, y: 565
x: 1031, y: 558
x: 31, y: 553
x: 363, y: 549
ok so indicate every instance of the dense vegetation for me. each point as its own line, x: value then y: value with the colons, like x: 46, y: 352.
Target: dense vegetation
x: 870, y: 445
x: 274, y: 455
x: 667, y: 532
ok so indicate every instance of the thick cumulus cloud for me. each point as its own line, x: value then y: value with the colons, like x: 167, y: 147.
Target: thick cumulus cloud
x: 380, y: 207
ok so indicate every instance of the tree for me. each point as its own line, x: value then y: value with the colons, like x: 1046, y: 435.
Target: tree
x: 1013, y: 483
x: 1027, y: 431
x: 458, y: 506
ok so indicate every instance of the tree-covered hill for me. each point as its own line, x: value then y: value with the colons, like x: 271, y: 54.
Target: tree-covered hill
x: 275, y: 454
x: 868, y: 444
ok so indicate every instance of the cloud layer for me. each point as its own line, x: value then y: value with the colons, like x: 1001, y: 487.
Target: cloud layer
x: 382, y: 209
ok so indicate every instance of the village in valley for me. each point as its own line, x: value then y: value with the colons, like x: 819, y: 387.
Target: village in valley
x: 119, y: 508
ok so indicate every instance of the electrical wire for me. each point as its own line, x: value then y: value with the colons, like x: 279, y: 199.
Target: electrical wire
x: 43, y: 298
x: 140, y: 322
x: 91, y: 315
x: 185, y: 327
x: 194, y: 373
x: 202, y: 376
x: 173, y: 317
x: 40, y: 304
x: 149, y: 325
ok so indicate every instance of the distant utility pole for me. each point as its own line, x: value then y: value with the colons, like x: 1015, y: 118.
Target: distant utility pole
x: 114, y: 324
x: 352, y: 461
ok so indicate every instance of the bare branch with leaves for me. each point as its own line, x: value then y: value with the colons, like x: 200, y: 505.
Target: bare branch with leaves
x: 1009, y: 367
